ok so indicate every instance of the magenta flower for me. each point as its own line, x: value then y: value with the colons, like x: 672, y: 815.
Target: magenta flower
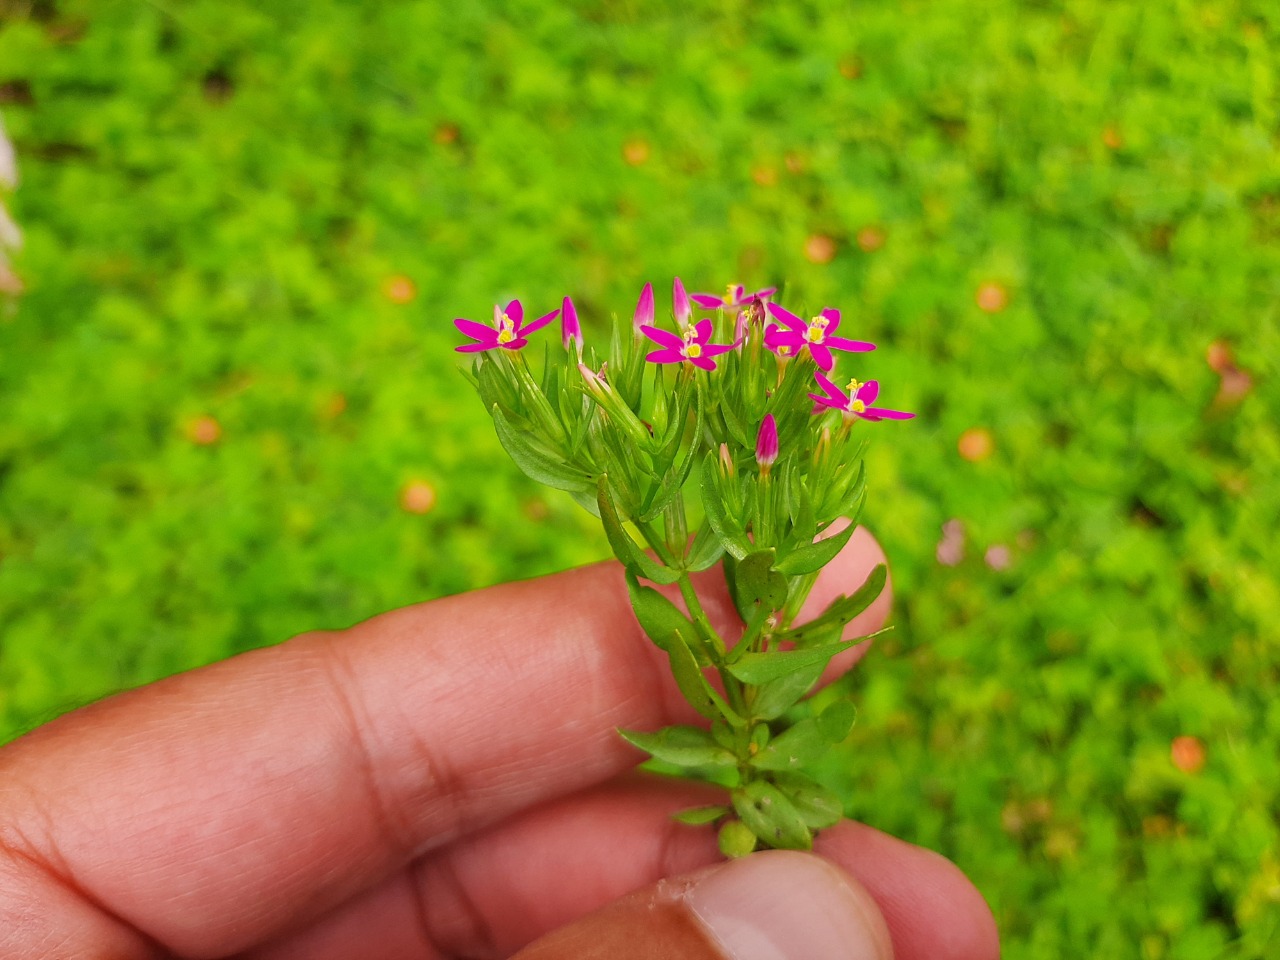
x: 767, y: 443
x: 644, y: 309
x: 693, y: 346
x: 816, y: 335
x: 735, y: 297
x: 680, y: 303
x: 855, y: 400
x: 508, y: 330
x: 570, y: 329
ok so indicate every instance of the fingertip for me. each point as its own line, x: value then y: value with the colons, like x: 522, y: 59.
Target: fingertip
x: 933, y: 910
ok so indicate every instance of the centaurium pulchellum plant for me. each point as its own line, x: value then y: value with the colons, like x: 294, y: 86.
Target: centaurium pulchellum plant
x: 712, y: 448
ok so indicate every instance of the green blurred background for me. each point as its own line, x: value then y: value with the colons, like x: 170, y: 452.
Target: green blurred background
x: 229, y: 410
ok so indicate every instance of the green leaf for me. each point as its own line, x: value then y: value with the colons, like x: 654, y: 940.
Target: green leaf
x: 684, y: 746
x: 692, y: 683
x: 794, y: 748
x: 697, y: 816
x: 757, y: 668
x: 775, y: 697
x: 814, y: 556
x: 704, y: 551
x: 538, y: 461
x: 837, y: 720
x: 817, y: 805
x: 771, y: 816
x: 757, y: 582
x: 624, y: 548
x: 658, y: 616
x: 734, y: 541
x: 841, y: 610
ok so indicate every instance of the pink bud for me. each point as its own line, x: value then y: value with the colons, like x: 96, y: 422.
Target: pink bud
x: 570, y: 329
x: 644, y: 309
x: 680, y: 301
x: 726, y: 460
x: 767, y: 443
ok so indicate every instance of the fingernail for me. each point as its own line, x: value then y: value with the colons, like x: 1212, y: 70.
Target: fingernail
x: 780, y: 905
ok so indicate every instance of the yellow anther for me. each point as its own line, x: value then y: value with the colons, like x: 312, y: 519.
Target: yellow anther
x: 505, y: 335
x: 814, y: 334
x: 693, y: 350
x: 853, y: 387
x: 857, y: 406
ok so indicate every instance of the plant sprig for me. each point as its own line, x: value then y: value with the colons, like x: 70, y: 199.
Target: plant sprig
x: 720, y: 424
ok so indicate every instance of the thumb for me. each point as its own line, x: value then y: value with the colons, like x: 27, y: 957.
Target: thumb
x: 773, y: 905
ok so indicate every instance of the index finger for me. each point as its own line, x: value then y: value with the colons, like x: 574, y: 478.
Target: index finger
x: 219, y: 807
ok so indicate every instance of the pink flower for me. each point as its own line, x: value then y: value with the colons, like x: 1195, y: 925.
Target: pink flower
x: 816, y: 335
x: 508, y: 330
x: 856, y: 402
x: 735, y: 297
x: 767, y: 443
x: 693, y: 346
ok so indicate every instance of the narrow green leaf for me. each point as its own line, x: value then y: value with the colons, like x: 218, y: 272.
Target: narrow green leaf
x: 624, y: 548
x: 735, y: 541
x: 843, y: 609
x: 794, y: 748
x: 697, y: 816
x: 689, y: 678
x: 775, y: 697
x: 771, y: 816
x: 757, y: 668
x: 817, y: 805
x: 814, y: 556
x: 704, y: 551
x: 658, y: 616
x: 684, y: 746
x: 538, y: 461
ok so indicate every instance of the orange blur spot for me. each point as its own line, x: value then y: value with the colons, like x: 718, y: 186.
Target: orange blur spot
x: 399, y: 289
x: 992, y: 297
x: 976, y: 444
x: 204, y: 430
x: 1111, y: 138
x: 446, y: 133
x: 635, y: 152
x: 418, y: 496
x: 765, y: 176
x: 335, y: 405
x: 819, y: 248
x: 870, y: 239
x: 1187, y: 754
x: 1219, y: 357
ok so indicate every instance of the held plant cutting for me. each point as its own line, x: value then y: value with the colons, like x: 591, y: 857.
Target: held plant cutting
x: 727, y: 439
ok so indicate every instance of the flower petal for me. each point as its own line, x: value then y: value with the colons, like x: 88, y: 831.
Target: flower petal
x: 664, y: 337
x: 707, y: 301
x: 822, y: 356
x: 703, y: 330
x: 787, y: 317
x: 831, y: 390
x: 833, y: 319
x: 477, y: 331
x: 868, y: 392
x: 703, y: 363
x: 516, y: 312
x: 853, y: 346
x: 539, y: 323
x: 475, y: 347
x: 715, y: 349
x: 515, y: 344
x: 825, y: 401
x: 880, y: 413
x: 665, y: 356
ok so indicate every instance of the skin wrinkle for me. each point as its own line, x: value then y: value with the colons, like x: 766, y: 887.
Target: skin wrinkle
x: 345, y: 685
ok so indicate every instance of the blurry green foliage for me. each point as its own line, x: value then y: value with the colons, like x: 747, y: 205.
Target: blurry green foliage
x: 218, y: 196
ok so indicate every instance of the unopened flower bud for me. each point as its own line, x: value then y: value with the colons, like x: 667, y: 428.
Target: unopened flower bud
x: 570, y: 329
x: 680, y: 303
x: 644, y: 309
x: 767, y: 443
x: 726, y: 460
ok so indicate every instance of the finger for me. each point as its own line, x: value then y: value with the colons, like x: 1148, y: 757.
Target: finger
x: 215, y: 808
x: 498, y: 890
x: 778, y: 903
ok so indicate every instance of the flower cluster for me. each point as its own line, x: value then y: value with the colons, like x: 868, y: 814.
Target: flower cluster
x: 713, y: 440
x: 791, y: 337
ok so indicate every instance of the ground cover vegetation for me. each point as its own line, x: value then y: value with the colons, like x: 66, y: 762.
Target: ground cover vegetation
x: 230, y: 411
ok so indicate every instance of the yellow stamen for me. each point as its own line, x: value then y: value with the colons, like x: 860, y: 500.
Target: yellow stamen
x: 693, y: 350
x: 506, y: 336
x: 857, y: 406
x: 853, y: 387
x: 817, y: 331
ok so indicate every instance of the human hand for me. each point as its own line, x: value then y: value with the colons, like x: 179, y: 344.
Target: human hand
x: 441, y: 781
